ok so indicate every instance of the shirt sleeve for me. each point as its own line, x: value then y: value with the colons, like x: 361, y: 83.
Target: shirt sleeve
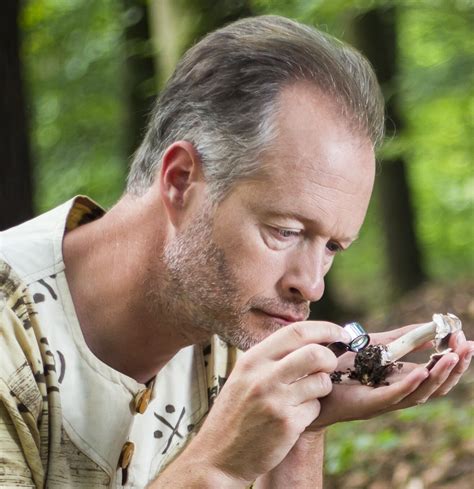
x: 22, y: 395
x: 14, y: 470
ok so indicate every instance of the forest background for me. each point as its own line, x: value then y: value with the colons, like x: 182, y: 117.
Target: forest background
x: 82, y: 74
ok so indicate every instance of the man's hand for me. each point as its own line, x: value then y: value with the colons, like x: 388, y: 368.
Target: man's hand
x: 411, y: 385
x: 269, y: 399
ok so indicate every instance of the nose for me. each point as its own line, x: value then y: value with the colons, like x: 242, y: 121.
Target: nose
x: 304, y: 277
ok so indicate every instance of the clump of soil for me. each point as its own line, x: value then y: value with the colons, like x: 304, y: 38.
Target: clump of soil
x: 368, y: 368
x: 336, y: 377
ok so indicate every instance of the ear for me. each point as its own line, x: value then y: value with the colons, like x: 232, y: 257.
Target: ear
x: 180, y: 178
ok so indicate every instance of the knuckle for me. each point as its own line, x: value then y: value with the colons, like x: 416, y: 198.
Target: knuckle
x: 321, y: 358
x: 246, y: 363
x: 269, y: 410
x: 325, y: 383
x: 328, y: 330
x: 315, y: 409
x: 291, y: 424
x: 277, y: 416
x: 331, y: 361
x: 333, y: 330
x: 314, y: 353
x: 257, y: 390
x: 311, y: 412
x: 299, y: 331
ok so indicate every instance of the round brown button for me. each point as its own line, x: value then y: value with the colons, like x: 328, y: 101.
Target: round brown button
x: 126, y: 454
x: 142, y: 399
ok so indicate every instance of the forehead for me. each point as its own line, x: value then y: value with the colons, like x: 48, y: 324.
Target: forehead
x: 317, y: 164
x: 315, y: 141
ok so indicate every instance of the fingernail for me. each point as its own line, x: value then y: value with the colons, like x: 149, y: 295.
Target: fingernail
x: 454, y: 359
x: 460, y: 338
x: 468, y: 357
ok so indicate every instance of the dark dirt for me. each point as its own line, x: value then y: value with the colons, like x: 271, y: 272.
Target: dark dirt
x: 367, y: 368
x: 336, y: 377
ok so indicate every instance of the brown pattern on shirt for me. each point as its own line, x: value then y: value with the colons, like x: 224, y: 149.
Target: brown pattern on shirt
x: 35, y: 450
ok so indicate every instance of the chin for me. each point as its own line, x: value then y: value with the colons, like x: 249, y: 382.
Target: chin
x: 245, y: 336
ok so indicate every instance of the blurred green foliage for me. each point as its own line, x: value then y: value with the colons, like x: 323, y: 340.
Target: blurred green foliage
x: 73, y: 67
x: 437, y: 76
x: 398, y: 436
x: 74, y: 58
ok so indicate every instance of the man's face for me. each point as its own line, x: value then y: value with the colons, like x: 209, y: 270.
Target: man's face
x: 253, y: 264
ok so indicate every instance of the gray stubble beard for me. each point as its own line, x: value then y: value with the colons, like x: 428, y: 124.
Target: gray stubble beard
x: 199, y: 291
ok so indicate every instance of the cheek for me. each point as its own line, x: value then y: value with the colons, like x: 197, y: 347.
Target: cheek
x: 254, y: 265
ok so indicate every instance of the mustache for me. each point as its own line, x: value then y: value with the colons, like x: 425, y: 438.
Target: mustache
x: 300, y: 309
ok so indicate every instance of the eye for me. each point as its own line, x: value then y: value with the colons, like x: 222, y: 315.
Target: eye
x: 284, y: 234
x: 334, y: 247
x: 287, y: 233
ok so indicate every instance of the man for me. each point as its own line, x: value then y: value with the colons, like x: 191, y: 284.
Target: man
x: 123, y: 332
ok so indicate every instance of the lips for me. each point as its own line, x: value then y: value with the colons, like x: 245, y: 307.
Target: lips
x: 285, y: 317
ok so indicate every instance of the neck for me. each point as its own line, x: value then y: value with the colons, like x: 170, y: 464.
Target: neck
x: 107, y: 265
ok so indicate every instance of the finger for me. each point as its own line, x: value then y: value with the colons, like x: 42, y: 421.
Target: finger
x: 457, y: 340
x: 310, y: 387
x: 459, y: 344
x: 459, y: 369
x: 304, y: 361
x: 368, y: 402
x: 385, y: 398
x: 296, y: 335
x: 438, y: 376
x: 306, y: 413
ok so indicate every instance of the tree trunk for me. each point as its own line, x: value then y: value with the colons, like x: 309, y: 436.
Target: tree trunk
x: 16, y: 189
x: 377, y: 38
x: 177, y: 24
x: 140, y: 83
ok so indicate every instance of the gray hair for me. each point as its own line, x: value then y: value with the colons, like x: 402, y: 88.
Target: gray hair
x: 223, y: 97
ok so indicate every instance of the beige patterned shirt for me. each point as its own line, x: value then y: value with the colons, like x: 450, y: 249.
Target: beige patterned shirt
x: 66, y: 418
